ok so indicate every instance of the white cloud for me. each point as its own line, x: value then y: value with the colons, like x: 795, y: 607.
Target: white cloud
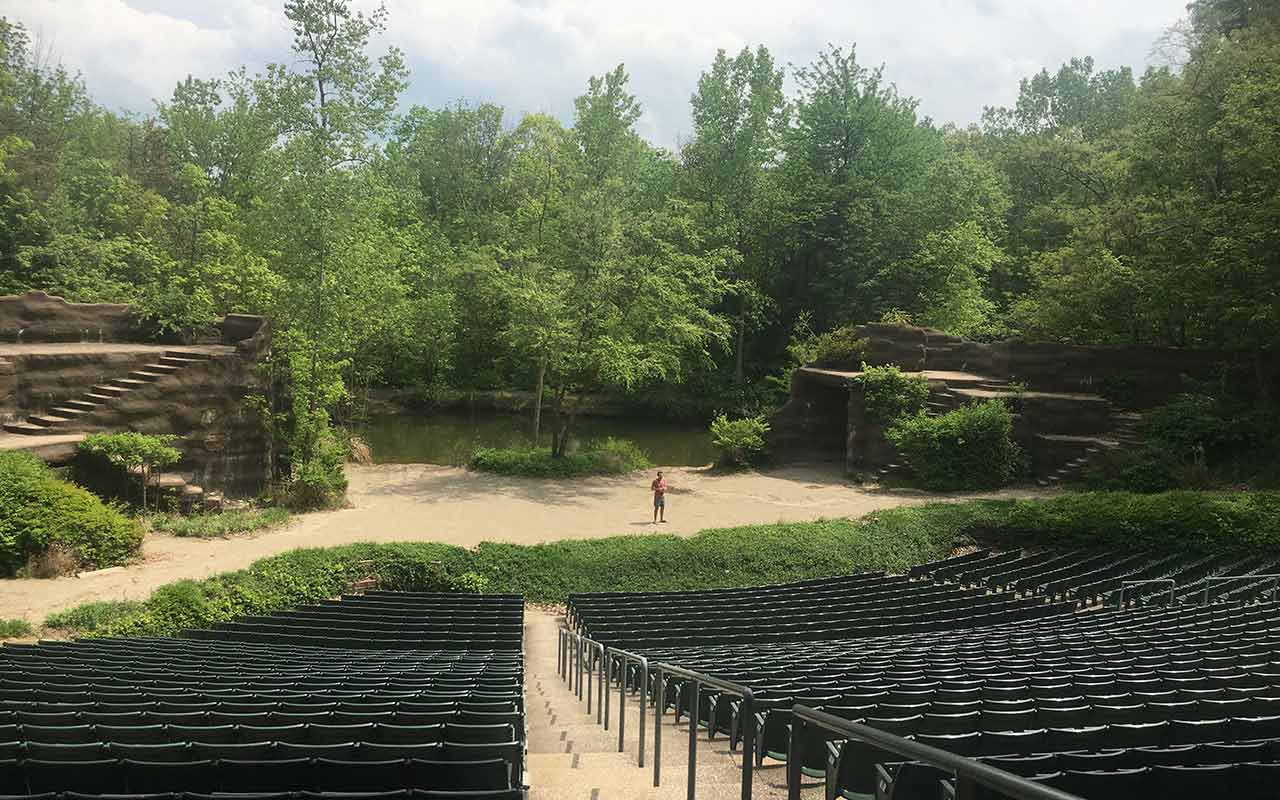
x: 535, y: 55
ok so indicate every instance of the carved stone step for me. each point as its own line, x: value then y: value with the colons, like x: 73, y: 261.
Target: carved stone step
x: 83, y: 405
x: 110, y: 391
x: 27, y: 429
x: 98, y: 398
x: 46, y: 421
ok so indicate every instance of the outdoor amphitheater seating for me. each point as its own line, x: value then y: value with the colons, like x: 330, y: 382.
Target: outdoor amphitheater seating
x: 200, y: 715
x: 982, y: 656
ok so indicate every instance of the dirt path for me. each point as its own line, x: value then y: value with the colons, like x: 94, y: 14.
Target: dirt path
x: 447, y: 504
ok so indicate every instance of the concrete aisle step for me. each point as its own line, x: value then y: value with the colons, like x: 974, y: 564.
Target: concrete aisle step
x: 570, y: 756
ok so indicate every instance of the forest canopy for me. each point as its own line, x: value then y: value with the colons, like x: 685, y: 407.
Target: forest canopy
x: 458, y: 247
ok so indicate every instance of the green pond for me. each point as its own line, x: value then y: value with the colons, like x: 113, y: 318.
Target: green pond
x: 448, y: 437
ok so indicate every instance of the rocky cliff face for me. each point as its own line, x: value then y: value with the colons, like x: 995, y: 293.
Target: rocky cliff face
x: 40, y: 317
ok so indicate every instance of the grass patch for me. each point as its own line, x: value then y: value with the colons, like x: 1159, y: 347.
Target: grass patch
x: 604, y: 457
x: 14, y: 628
x: 205, y: 526
x: 91, y: 617
x: 891, y: 539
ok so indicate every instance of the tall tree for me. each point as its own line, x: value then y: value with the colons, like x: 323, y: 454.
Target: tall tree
x: 739, y: 113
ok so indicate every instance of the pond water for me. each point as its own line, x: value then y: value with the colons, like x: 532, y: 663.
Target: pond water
x: 448, y: 437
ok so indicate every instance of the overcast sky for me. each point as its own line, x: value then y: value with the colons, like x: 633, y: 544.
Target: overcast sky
x: 535, y: 55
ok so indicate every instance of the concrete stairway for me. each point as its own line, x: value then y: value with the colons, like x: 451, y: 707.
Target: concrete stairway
x: 571, y: 757
x: 1123, y: 434
x: 78, y: 413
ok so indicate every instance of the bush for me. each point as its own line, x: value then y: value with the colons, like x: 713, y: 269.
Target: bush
x: 13, y: 628
x: 969, y: 448
x: 90, y: 617
x: 1141, y: 470
x: 888, y: 393
x: 1186, y: 425
x: 739, y: 440
x: 319, y: 481
x: 841, y: 346
x: 288, y: 579
x: 604, y: 457
x: 40, y: 514
x: 205, y: 526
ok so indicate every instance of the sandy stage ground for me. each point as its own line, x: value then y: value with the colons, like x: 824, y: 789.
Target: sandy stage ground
x: 448, y: 504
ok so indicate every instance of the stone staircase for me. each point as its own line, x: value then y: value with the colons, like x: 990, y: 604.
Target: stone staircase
x: 1124, y: 433
x: 81, y: 411
x: 86, y: 412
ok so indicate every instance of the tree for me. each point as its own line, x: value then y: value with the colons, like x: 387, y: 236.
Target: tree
x: 140, y: 455
x: 739, y: 113
x: 333, y: 251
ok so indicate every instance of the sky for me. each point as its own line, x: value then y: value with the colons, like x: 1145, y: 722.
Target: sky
x: 956, y: 56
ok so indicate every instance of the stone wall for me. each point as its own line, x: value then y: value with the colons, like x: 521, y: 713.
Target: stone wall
x: 1145, y: 376
x: 40, y: 317
x: 811, y: 425
x: 8, y: 390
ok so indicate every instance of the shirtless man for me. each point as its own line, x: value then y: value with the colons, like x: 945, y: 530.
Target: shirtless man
x: 659, y: 487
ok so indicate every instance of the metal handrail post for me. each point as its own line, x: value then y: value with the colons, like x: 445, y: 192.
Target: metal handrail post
x: 603, y: 682
x: 607, y: 692
x: 644, y: 699
x: 660, y: 708
x: 693, y: 737
x: 622, y: 705
x: 748, y: 709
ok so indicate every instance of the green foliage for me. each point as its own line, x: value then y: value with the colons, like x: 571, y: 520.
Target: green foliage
x: 318, y: 479
x: 740, y: 440
x: 608, y: 456
x: 89, y: 617
x: 140, y: 454
x: 1142, y: 470
x: 969, y: 448
x: 226, y: 523
x: 890, y: 539
x: 1187, y: 425
x: 14, y: 628
x: 296, y: 577
x: 888, y: 393
x: 39, y: 513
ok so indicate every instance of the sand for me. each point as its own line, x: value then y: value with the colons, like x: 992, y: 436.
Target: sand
x: 419, y: 502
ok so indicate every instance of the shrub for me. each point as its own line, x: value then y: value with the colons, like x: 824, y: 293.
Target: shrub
x: 90, y: 617
x: 223, y: 524
x: 604, y: 457
x: 889, y: 394
x: 319, y: 481
x: 969, y: 448
x: 738, y: 440
x: 13, y: 628
x: 288, y: 579
x: 39, y: 513
x: 1188, y: 424
x: 839, y: 346
x: 1143, y: 470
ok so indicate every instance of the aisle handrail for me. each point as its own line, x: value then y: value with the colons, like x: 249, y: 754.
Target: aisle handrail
x: 746, y: 716
x: 1271, y: 576
x: 967, y: 770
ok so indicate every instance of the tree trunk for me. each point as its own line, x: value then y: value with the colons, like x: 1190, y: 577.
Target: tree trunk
x: 738, y: 376
x: 144, y: 488
x: 537, y: 400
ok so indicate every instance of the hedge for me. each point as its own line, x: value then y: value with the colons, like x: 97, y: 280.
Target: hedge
x: 38, y: 512
x: 890, y: 539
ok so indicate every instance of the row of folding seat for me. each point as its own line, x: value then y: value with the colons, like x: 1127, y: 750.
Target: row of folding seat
x: 335, y: 639
x: 1237, y: 781
x: 241, y: 713
x: 362, y: 750
x: 220, y: 731
x: 396, y: 794
x: 109, y: 776
x: 188, y: 700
